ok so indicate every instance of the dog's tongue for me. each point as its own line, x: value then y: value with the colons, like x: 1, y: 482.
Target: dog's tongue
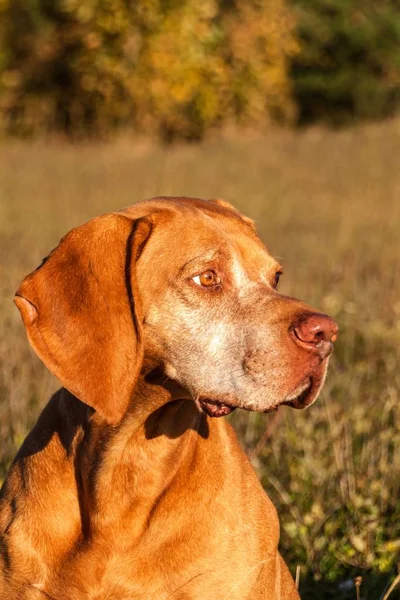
x: 216, y: 409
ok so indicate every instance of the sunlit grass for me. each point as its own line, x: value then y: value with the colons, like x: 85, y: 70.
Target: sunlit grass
x: 328, y: 205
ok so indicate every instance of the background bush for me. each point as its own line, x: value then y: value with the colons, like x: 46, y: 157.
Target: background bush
x: 349, y: 64
x: 179, y: 68
x: 176, y: 67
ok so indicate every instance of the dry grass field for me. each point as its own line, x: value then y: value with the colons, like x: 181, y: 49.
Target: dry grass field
x: 328, y: 204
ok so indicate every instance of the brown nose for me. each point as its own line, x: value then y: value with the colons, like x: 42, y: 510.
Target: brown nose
x: 316, y: 332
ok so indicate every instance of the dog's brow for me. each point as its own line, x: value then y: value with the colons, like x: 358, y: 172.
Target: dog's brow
x: 206, y: 256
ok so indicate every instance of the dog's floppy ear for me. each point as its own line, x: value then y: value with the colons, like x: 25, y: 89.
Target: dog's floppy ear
x: 82, y: 312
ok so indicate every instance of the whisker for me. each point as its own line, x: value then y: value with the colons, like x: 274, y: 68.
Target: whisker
x: 233, y: 588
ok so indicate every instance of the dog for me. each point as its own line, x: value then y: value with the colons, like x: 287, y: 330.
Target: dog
x: 157, y: 320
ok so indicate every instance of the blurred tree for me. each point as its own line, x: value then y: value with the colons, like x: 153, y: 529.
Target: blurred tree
x: 349, y: 64
x: 172, y: 67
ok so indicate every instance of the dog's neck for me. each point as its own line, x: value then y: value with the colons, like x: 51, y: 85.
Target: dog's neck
x: 125, y: 470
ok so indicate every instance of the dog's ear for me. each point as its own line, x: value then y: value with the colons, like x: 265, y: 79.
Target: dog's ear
x: 81, y: 310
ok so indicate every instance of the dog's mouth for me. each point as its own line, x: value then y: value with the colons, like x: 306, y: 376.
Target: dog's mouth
x: 213, y: 408
x: 302, y: 395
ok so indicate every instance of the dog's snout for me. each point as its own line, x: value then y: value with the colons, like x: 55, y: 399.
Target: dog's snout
x: 316, y: 332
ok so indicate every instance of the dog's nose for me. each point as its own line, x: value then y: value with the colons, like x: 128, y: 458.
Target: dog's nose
x: 316, y: 332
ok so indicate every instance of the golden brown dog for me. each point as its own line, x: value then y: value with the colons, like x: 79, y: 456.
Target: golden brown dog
x: 155, y: 319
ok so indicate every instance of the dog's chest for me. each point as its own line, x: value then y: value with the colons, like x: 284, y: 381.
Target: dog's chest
x: 159, y: 575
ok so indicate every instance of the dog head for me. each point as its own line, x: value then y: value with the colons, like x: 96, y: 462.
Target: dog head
x: 186, y: 286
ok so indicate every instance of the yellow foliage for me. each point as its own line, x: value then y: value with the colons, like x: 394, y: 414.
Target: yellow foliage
x: 176, y: 68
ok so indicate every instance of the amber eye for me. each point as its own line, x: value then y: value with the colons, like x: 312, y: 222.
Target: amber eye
x: 277, y: 277
x: 207, y: 279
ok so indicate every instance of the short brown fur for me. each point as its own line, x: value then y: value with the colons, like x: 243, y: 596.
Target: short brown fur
x: 132, y: 491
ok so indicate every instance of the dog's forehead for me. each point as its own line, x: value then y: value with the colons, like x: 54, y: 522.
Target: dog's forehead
x: 190, y: 235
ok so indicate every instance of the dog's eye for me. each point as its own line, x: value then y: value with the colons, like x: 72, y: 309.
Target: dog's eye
x: 207, y: 279
x: 277, y: 277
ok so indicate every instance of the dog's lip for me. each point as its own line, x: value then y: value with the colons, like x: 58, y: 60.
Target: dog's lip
x: 298, y: 398
x: 214, y: 408
x: 301, y: 397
